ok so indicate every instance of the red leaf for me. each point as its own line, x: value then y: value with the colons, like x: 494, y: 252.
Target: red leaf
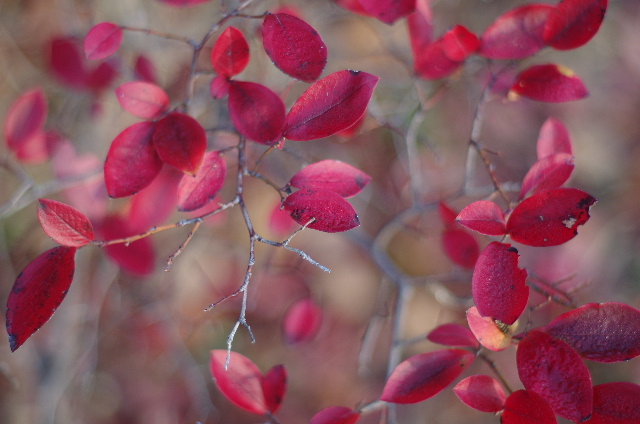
x: 516, y: 34
x: 66, y: 62
x: 329, y: 211
x: 606, y: 332
x: 279, y: 221
x: 461, y: 247
x: 219, y: 88
x: 145, y: 70
x: 302, y: 321
x: 230, y: 54
x: 552, y: 369
x: 420, y: 25
x: 143, y: 99
x: 180, y: 141
x: 445, y: 55
x: 155, y: 203
x: 64, y: 224
x: 241, y: 383
x: 389, y: 11
x: 102, y: 76
x: 137, y: 258
x: 447, y: 214
x: 574, y: 22
x: 616, y: 403
x: 132, y: 162
x: 550, y: 217
x: 549, y: 83
x: 274, y: 386
x: 336, y: 415
x: 453, y: 335
x: 38, y: 292
x: 484, y: 217
x: 332, y: 175
x: 257, y: 112
x: 525, y: 407
x: 183, y: 3
x: 330, y: 105
x: 196, y: 191
x: 549, y: 172
x: 481, y: 392
x: 423, y: 376
x: 102, y: 41
x: 553, y: 138
x: 487, y: 331
x: 294, y: 46
x: 459, y: 43
x: 23, y: 126
x: 498, y: 285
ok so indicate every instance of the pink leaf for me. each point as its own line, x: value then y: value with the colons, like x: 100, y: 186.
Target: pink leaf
x: 498, y: 285
x: 138, y: 257
x: 329, y: 211
x: 420, y: 25
x: 616, y: 403
x: 64, y: 224
x: 389, y: 11
x: 132, y: 162
x: 574, y: 22
x: 481, y: 392
x: 549, y: 172
x: 101, y: 77
x: 553, y: 138
x: 488, y: 332
x: 66, y: 62
x: 180, y: 141
x: 196, y: 191
x: 525, y: 407
x: 155, y: 203
x: 335, y: 415
x: 23, y: 126
x: 552, y: 369
x: 219, y: 88
x: 461, y: 247
x: 241, y: 383
x: 606, y: 332
x: 143, y: 99
x: 516, y: 34
x: 145, y: 70
x: 302, y: 321
x: 549, y: 83
x: 550, y: 217
x: 294, y: 46
x: 38, y: 292
x: 102, y: 41
x: 484, y: 217
x: 423, y: 376
x: 330, y: 105
x: 453, y: 335
x: 274, y: 386
x: 257, y: 112
x: 332, y: 175
x: 230, y: 54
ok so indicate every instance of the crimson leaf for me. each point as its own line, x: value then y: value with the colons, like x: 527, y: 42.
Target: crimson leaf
x: 483, y: 216
x: 335, y: 415
x: 616, y: 403
x: 323, y: 210
x: 481, y: 392
x: 230, y: 54
x: 549, y: 172
x: 256, y: 111
x: 274, y: 386
x: 143, y: 99
x: 180, y: 141
x: 553, y: 138
x: 453, y: 335
x: 574, y: 22
x: 389, y: 11
x: 420, y: 24
x: 302, y: 321
x: 64, y: 224
x: 23, y: 126
x: 549, y: 83
x: 332, y: 175
x: 196, y: 191
x: 138, y: 257
x: 102, y: 40
x: 526, y: 407
x: 445, y: 55
x: 461, y: 247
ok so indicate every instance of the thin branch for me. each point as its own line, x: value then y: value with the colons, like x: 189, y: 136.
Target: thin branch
x: 182, y: 246
x: 167, y: 35
x: 495, y: 370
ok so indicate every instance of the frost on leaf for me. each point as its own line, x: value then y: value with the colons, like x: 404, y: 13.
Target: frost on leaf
x: 64, y: 224
x: 322, y: 210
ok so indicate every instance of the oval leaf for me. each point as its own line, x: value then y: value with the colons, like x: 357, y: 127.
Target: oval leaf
x: 549, y: 172
x: 257, y: 112
x: 332, y: 175
x: 490, y: 335
x: 549, y: 83
x: 330, y: 105
x: 574, y: 22
x: 335, y: 415
x: 38, y: 292
x: 143, y: 99
x: 230, y: 54
x: 322, y: 210
x: 420, y: 26
x: 552, y: 369
x: 453, y: 335
x: 445, y: 55
x: 241, y: 383
x: 389, y: 11
x: 180, y: 141
x: 102, y: 41
x: 459, y: 43
x: 138, y: 257
x: 274, y: 386
x: 484, y: 217
x: 145, y: 70
x: 66, y: 62
x: 525, y: 407
x: 616, y: 403
x: 24, y: 122
x: 196, y: 191
x: 461, y: 247
x: 554, y: 138
x: 550, y: 217
x: 302, y: 321
x: 294, y: 46
x: 64, y: 224
x: 481, y: 392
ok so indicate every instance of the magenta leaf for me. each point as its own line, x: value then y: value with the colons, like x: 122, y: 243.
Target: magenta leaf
x: 230, y: 54
x: 330, y: 105
x: 498, y: 285
x: 302, y: 321
x: 335, y: 415
x: 574, y: 22
x: 453, y: 335
x: 65, y: 224
x: 616, y: 403
x: 132, y: 162
x: 549, y: 83
x: 180, y: 141
x: 447, y: 214
x: 550, y: 217
x: 137, y: 258
x: 196, y: 191
x: 389, y: 11
x: 102, y: 41
x: 257, y: 112
x: 420, y: 24
x: 526, y: 407
x: 423, y: 376
x: 445, y: 55
x: 101, y: 77
x: 461, y: 247
x: 483, y: 216
x: 553, y: 138
x: 66, y: 63
x: 606, y: 332
x: 322, y: 210
x: 549, y: 172
x: 552, y: 369
x: 143, y: 99
x: 487, y: 331
x: 38, y: 292
x: 274, y: 387
x: 459, y: 43
x: 23, y: 126
x: 153, y: 205
x: 294, y: 46
x: 332, y: 175
x: 145, y: 70
x: 481, y: 392
x: 219, y: 87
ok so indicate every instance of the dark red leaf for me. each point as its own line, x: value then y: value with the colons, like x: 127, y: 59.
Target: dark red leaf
x: 484, y: 217
x: 525, y: 407
x: 143, y: 99
x: 481, y: 392
x: 459, y: 43
x: 553, y: 138
x: 230, y: 54
x: 132, y: 162
x: 257, y: 112
x: 196, y: 191
x: 302, y: 321
x: 550, y: 217
x: 616, y: 403
x: 498, y: 285
x: 389, y: 11
x: 329, y: 211
x: 516, y: 34
x: 574, y: 22
x: 241, y: 383
x: 145, y: 70
x: 420, y: 25
x: 461, y: 247
x: 549, y: 172
x: 549, y: 83
x: 102, y: 40
x: 66, y: 62
x: 336, y: 415
x: 23, y: 126
x: 180, y: 141
x: 552, y: 369
x: 102, y: 76
x: 607, y: 332
x: 423, y: 376
x: 38, y: 292
x: 274, y: 387
x: 433, y: 63
x: 332, y: 175
x: 183, y: 3
x: 137, y: 258
x: 330, y: 105
x: 487, y: 331
x: 453, y: 335
x: 294, y: 46
x: 65, y: 224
